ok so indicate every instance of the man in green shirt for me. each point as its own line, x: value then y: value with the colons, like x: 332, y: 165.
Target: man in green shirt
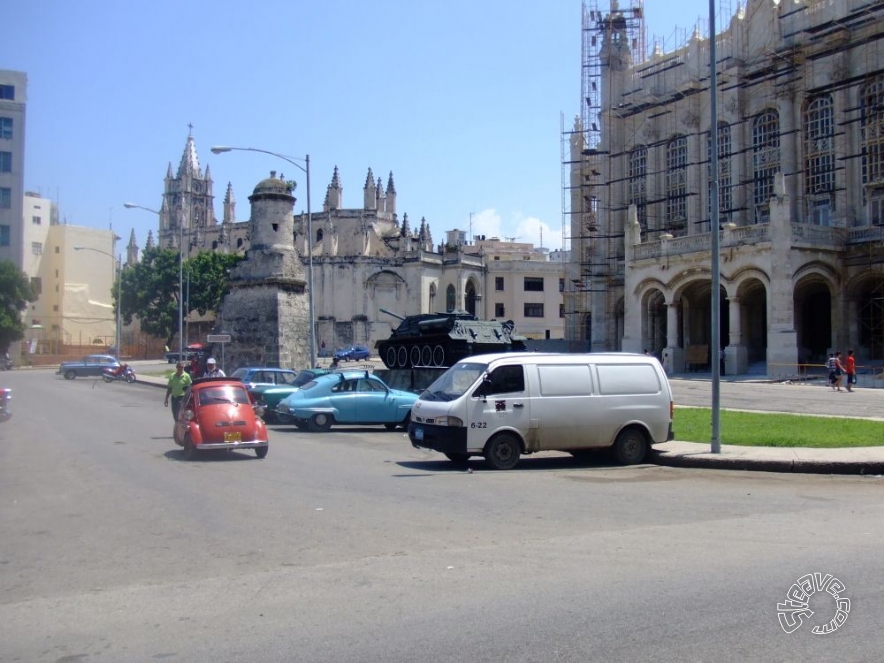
x: 178, y: 384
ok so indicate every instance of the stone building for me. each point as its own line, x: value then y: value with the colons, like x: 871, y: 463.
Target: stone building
x: 367, y: 258
x: 800, y: 136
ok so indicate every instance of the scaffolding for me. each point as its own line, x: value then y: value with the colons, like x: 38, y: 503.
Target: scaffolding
x: 594, y: 252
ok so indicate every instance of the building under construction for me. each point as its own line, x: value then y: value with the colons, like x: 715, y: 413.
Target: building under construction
x: 800, y: 141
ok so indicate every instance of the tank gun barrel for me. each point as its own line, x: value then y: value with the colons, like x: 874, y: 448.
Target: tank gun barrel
x: 395, y: 315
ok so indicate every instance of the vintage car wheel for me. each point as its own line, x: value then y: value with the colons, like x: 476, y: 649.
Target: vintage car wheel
x: 630, y: 447
x: 320, y: 423
x: 502, y: 452
x: 261, y: 452
x: 70, y: 375
x: 189, y: 449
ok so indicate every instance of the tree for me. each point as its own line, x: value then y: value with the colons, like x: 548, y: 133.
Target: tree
x: 150, y: 288
x: 209, y: 274
x: 15, y: 294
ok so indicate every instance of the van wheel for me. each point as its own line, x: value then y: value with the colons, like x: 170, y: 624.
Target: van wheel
x: 502, y: 453
x: 630, y: 447
x: 320, y: 423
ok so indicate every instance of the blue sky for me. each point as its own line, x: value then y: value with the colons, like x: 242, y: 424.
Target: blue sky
x: 460, y: 99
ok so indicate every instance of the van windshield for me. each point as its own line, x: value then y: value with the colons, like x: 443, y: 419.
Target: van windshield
x: 454, y: 382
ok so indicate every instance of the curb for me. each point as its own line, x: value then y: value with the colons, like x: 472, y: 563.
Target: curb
x: 755, y: 465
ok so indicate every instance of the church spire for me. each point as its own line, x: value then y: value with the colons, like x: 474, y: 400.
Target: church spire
x: 190, y: 163
x: 370, y: 192
x: 391, y: 196
x: 229, y: 205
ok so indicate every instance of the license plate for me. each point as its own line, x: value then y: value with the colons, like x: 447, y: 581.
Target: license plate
x: 233, y: 437
x: 418, y: 433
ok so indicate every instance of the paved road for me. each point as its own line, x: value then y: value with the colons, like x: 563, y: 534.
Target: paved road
x: 352, y: 546
x: 780, y: 397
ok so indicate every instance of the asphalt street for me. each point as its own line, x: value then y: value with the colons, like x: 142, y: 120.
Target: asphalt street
x: 352, y: 546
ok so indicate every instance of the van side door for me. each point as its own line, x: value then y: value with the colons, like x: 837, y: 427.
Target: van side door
x: 500, y: 402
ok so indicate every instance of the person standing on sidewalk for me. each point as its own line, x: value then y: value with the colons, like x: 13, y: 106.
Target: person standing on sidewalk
x: 178, y: 384
x: 850, y: 370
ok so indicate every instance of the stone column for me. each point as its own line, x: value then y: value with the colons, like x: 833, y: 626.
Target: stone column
x: 673, y: 356
x: 782, y: 340
x: 737, y: 354
x: 788, y: 148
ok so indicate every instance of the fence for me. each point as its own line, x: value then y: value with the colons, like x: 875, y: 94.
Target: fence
x: 868, y: 376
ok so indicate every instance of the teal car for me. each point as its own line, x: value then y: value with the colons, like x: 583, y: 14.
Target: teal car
x: 347, y: 397
x: 270, y: 395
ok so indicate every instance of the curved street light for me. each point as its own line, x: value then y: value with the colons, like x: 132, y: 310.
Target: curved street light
x: 220, y: 149
x: 118, y: 279
x: 180, y: 279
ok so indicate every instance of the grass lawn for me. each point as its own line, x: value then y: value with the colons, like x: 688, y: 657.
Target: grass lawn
x: 754, y: 429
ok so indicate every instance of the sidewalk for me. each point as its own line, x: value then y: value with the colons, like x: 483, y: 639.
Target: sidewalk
x: 853, y: 460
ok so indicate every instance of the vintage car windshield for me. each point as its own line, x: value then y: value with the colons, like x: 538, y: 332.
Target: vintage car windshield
x: 454, y: 382
x: 223, y: 394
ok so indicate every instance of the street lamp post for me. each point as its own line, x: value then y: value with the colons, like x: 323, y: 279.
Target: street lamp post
x: 218, y: 149
x: 180, y: 279
x: 118, y: 281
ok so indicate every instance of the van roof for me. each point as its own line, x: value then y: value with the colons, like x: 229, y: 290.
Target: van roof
x: 534, y: 357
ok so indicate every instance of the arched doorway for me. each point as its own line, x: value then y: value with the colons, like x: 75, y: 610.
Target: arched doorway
x: 870, y: 315
x: 813, y: 319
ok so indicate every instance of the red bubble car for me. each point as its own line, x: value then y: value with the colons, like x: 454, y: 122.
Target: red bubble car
x: 218, y: 413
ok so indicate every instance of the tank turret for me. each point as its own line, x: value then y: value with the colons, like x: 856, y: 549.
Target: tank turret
x: 440, y: 340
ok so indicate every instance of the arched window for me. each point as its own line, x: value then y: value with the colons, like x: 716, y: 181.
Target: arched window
x: 319, y: 234
x: 872, y: 135
x: 725, y: 193
x: 765, y: 161
x: 676, y: 185
x: 638, y: 178
x: 450, y: 299
x: 819, y: 159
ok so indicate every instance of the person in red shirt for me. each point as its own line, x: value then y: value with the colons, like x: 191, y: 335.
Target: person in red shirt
x: 850, y: 369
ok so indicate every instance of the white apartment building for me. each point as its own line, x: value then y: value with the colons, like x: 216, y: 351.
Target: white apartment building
x: 13, y: 103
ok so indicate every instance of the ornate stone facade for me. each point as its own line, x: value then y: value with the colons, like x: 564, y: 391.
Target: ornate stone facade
x: 801, y: 191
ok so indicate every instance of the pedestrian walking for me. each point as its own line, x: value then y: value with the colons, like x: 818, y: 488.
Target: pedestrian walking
x: 832, y: 367
x: 175, y: 388
x: 850, y: 370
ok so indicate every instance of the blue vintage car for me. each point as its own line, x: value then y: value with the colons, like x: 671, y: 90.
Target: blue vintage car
x: 88, y: 366
x: 348, y: 397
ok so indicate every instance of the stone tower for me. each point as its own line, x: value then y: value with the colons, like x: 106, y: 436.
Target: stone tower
x: 188, y: 201
x: 266, y: 311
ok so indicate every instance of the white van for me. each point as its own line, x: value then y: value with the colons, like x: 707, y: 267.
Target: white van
x: 501, y: 406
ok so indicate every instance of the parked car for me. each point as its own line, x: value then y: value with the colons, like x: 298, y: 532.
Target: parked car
x: 270, y: 395
x: 217, y: 413
x: 265, y: 376
x: 90, y: 365
x: 353, y: 353
x: 347, y: 397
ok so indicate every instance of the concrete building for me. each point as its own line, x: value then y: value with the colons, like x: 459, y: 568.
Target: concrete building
x: 13, y: 113
x: 800, y: 136
x: 76, y: 305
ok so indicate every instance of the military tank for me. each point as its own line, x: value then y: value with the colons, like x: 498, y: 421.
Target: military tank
x: 439, y: 340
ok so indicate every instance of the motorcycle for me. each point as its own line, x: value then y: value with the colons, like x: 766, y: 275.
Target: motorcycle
x: 5, y: 397
x: 122, y: 372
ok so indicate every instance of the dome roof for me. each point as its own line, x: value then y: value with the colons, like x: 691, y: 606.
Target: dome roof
x: 274, y: 184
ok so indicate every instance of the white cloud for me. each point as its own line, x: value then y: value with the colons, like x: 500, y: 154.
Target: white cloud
x: 519, y: 228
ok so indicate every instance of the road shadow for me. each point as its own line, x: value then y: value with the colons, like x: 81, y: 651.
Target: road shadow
x: 212, y: 455
x: 600, y: 459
